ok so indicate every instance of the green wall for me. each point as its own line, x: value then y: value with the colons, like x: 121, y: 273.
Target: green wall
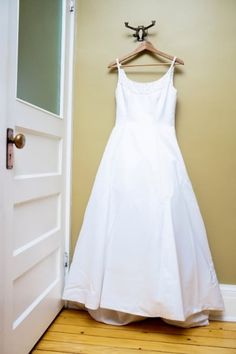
x: 202, y: 33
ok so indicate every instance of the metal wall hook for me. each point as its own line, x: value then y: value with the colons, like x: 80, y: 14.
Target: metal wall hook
x: 140, y: 31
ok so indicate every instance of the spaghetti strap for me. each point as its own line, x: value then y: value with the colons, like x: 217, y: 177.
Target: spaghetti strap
x: 118, y: 64
x: 173, y: 62
x: 172, y: 71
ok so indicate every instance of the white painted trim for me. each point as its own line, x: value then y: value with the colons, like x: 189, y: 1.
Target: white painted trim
x: 4, y: 40
x: 64, y: 68
x: 229, y: 296
x: 69, y: 135
x: 39, y: 108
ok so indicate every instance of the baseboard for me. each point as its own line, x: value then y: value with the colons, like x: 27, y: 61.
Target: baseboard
x: 229, y: 295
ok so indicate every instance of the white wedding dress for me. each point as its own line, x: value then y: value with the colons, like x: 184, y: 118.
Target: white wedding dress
x: 143, y: 250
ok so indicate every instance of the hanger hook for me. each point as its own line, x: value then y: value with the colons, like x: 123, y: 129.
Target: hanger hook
x: 140, y: 31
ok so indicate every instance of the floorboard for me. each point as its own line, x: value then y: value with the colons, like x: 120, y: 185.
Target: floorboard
x: 76, y: 332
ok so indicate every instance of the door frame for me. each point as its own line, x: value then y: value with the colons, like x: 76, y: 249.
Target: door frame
x: 69, y: 92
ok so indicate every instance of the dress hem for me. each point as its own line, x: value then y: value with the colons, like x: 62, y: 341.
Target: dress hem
x: 140, y: 313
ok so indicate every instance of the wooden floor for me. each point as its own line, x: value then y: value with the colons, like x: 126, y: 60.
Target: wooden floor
x: 75, y: 332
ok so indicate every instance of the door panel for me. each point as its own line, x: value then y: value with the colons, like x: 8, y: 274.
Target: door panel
x: 46, y: 273
x: 39, y: 228
x: 41, y: 154
x: 36, y: 225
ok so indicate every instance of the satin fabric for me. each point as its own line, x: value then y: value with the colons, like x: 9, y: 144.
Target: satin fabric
x: 143, y: 250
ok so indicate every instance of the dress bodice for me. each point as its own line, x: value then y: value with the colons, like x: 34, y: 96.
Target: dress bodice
x: 148, y: 102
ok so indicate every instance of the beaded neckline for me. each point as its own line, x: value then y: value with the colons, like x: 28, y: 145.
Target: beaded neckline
x: 144, y: 87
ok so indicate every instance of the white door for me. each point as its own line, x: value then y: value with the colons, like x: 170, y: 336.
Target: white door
x: 36, y: 68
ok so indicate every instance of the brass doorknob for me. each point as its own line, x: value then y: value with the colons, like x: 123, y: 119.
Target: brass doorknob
x: 18, y: 140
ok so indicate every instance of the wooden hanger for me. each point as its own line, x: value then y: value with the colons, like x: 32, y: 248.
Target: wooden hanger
x: 145, y: 46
